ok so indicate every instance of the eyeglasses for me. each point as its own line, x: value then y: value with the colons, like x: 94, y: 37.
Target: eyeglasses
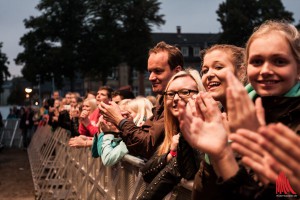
x: 181, y: 93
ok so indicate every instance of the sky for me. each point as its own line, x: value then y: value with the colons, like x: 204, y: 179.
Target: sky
x: 194, y: 16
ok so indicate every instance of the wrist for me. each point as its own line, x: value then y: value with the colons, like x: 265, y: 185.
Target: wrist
x: 119, y: 120
x: 121, y: 123
x: 225, y: 165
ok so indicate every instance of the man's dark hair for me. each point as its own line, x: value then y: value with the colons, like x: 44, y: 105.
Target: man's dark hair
x: 175, y: 57
x: 108, y: 89
x: 124, y: 94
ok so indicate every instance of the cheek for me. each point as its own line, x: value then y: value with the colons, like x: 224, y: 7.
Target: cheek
x: 169, y: 104
x: 252, y: 73
x: 204, y: 79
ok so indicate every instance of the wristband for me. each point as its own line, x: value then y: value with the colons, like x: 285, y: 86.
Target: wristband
x: 122, y: 122
x: 173, y: 153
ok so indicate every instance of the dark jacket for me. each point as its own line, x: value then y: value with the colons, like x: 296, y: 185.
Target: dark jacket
x: 163, y: 175
x: 26, y: 121
x: 242, y: 186
x: 143, y: 141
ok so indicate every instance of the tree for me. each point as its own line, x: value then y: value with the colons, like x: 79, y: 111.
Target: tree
x: 17, y: 96
x: 138, y: 17
x: 4, y: 73
x: 238, y: 18
x: 51, y: 45
x: 87, y: 36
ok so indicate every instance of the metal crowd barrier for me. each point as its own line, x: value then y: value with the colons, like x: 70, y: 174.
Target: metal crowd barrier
x: 10, y: 134
x: 63, y: 172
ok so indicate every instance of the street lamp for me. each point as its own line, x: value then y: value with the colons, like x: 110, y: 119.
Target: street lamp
x: 28, y: 91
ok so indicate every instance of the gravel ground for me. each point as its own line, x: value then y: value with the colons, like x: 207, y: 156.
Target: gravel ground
x: 15, y: 175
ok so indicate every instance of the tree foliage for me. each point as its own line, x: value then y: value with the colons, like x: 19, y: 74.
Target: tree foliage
x: 87, y: 36
x: 238, y: 18
x: 4, y: 73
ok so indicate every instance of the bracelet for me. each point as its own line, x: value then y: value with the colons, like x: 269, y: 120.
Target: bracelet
x: 173, y: 153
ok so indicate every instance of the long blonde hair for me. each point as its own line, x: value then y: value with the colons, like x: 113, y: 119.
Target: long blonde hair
x: 171, y: 122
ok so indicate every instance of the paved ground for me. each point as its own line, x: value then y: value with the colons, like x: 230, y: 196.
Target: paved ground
x: 15, y: 175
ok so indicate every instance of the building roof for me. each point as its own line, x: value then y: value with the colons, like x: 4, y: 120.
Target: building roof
x: 187, y: 39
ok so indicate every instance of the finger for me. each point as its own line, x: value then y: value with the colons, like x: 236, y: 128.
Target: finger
x: 213, y: 111
x: 185, y: 110
x: 246, y: 146
x: 283, y: 138
x: 231, y: 109
x: 192, y: 107
x: 285, y: 152
x: 264, y: 175
x: 201, y: 104
x: 282, y: 132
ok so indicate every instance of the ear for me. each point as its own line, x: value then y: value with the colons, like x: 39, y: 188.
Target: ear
x: 178, y: 69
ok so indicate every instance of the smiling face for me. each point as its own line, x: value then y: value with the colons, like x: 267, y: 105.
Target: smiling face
x: 177, y: 84
x: 272, y: 68
x: 216, y: 64
x: 160, y: 71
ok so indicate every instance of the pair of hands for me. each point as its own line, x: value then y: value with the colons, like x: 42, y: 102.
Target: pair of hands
x: 80, y: 141
x: 269, y: 151
x: 207, y: 129
x: 112, y: 113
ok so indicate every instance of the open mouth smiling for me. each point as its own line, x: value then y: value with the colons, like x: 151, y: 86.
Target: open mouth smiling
x: 213, y: 84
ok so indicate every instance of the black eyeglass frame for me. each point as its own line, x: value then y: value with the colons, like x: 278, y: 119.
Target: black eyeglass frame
x: 183, y: 96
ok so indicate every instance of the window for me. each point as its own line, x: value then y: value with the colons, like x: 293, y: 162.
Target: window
x: 196, y: 52
x: 185, y: 51
x: 135, y: 74
x: 148, y: 91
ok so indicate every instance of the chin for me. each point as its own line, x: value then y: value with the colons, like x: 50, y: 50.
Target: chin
x: 175, y: 113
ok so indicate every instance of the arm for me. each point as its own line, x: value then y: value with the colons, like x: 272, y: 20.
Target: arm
x: 140, y: 141
x: 112, y: 150
x: 143, y: 141
x: 153, y: 167
x: 202, y: 125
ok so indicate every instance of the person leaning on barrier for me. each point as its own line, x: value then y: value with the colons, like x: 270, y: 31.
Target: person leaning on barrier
x: 89, y: 106
x: 108, y: 143
x: 89, y: 122
x: 174, y: 159
x: 163, y: 62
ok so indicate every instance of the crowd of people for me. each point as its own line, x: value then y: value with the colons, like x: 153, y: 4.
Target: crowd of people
x: 233, y: 127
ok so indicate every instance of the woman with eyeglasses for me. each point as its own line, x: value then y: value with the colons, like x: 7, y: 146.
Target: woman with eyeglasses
x: 174, y: 159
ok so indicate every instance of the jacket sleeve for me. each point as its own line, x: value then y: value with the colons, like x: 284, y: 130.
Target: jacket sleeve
x: 143, y: 141
x: 82, y: 130
x: 153, y: 167
x: 92, y: 130
x: 112, y: 151
x: 243, y: 186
